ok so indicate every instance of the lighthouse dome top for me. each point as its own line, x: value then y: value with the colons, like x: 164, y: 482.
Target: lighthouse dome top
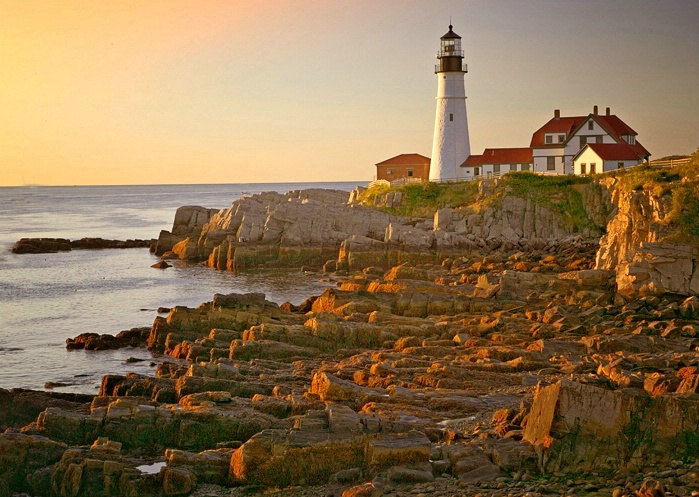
x: 450, y: 34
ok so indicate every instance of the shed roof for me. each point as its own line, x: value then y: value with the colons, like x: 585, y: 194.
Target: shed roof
x: 406, y: 160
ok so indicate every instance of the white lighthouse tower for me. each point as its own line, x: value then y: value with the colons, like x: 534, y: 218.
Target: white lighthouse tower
x: 450, y: 146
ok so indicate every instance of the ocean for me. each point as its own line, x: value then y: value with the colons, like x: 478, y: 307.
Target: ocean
x: 46, y: 298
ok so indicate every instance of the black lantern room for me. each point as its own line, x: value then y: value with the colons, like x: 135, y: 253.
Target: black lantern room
x: 450, y: 54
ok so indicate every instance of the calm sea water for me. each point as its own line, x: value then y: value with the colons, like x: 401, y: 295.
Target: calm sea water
x: 46, y: 298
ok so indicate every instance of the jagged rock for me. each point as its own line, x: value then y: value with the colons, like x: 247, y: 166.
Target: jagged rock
x: 635, y: 249
x: 579, y: 427
x: 41, y: 245
x: 189, y: 221
x: 152, y: 428
x: 690, y: 308
x: 50, y: 245
x: 19, y: 407
x: 415, y: 473
x: 329, y: 387
x: 178, y: 481
x: 21, y: 455
x: 364, y: 490
x: 399, y: 449
x: 209, y: 466
x: 99, y: 470
x: 135, y: 337
x: 281, y: 458
x: 651, y: 488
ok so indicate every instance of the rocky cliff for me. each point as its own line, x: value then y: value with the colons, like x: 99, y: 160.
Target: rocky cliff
x: 644, y: 243
x: 312, y: 227
x: 637, y: 227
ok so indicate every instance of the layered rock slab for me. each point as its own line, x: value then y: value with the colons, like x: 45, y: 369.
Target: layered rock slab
x: 578, y: 427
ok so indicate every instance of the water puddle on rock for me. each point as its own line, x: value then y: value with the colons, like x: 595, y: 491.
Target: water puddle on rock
x: 151, y: 469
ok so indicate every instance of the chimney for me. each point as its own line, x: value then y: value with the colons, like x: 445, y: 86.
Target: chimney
x: 594, y: 110
x: 557, y: 113
x: 609, y: 111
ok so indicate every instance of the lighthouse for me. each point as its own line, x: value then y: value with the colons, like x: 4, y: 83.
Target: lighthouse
x: 450, y: 146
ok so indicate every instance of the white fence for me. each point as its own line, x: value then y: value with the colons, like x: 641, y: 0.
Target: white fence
x: 670, y: 163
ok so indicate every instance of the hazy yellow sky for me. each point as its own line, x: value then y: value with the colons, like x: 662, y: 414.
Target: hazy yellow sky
x: 141, y: 92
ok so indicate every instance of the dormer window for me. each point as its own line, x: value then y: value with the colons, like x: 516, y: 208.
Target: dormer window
x: 548, y: 139
x: 630, y: 139
x: 561, y: 138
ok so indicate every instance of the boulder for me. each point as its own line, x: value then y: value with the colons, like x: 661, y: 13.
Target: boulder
x: 21, y: 455
x: 578, y: 428
x: 399, y: 449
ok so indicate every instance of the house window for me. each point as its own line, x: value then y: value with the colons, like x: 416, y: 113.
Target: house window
x: 583, y: 168
x: 451, y: 117
x: 600, y: 139
x: 550, y: 163
x: 389, y: 172
x: 583, y: 141
x: 549, y: 139
x: 476, y: 171
x: 410, y: 173
x: 590, y: 125
x: 524, y: 167
x: 620, y: 165
x: 496, y: 168
x: 561, y: 138
x: 593, y: 168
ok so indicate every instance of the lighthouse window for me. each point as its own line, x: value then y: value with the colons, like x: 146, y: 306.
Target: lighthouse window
x: 451, y: 117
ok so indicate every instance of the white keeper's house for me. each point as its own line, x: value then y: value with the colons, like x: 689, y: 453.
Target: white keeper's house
x: 557, y: 142
x: 566, y: 145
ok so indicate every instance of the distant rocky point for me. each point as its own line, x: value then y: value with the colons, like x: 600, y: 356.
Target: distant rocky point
x: 51, y: 245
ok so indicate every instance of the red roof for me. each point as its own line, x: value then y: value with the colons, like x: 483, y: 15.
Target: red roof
x: 556, y: 125
x: 614, y: 151
x: 406, y: 160
x: 500, y: 156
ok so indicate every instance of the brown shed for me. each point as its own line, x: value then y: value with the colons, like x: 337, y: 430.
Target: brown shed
x: 404, y: 166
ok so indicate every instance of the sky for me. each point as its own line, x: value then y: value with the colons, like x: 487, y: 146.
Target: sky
x: 241, y: 91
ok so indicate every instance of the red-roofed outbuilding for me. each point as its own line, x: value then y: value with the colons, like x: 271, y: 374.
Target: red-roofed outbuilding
x: 404, y: 166
x: 497, y: 161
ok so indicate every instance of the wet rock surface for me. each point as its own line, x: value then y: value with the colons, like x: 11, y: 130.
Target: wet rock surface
x: 468, y: 377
